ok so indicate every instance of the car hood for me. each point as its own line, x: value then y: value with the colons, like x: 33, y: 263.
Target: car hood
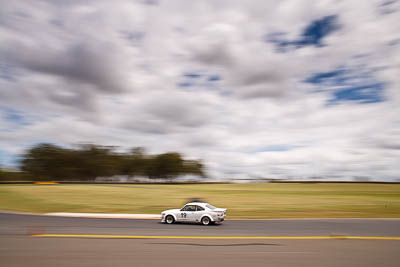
x: 171, y: 211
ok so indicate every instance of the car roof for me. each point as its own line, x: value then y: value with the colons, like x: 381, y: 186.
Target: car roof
x: 197, y: 203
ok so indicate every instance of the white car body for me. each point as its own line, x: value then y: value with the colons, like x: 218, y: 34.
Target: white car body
x: 193, y: 212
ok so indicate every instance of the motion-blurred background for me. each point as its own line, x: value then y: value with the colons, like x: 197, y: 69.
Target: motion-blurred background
x: 253, y: 89
x: 284, y: 111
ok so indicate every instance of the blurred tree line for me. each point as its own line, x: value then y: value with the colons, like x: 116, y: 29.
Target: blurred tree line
x: 7, y: 175
x: 87, y: 162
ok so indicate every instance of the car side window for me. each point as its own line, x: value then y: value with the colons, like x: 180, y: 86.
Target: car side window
x: 192, y: 208
x: 198, y: 208
x: 189, y: 208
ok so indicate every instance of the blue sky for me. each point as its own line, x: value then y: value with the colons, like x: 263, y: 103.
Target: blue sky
x: 312, y: 35
x: 253, y: 88
x: 354, y: 85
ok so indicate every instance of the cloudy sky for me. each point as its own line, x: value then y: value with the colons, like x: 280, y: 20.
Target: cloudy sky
x: 253, y: 88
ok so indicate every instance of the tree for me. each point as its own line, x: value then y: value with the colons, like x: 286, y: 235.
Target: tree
x: 44, y: 162
x: 51, y: 162
x: 95, y: 161
x: 135, y: 163
x: 12, y: 175
x: 167, y: 165
x: 194, y: 167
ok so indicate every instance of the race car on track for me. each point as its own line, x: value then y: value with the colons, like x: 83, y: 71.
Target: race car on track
x: 199, y: 212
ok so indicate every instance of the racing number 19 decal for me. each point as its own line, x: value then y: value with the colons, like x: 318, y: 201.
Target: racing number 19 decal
x: 183, y: 215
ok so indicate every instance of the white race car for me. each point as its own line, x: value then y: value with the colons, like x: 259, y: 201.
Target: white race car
x: 199, y: 212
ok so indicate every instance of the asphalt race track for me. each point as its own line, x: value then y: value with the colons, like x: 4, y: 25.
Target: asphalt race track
x: 30, y: 240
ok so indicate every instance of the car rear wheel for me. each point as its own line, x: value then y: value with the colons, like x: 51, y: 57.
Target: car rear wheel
x: 205, y: 220
x: 169, y: 219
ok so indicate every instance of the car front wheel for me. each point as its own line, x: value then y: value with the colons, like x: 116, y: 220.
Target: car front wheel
x: 205, y: 220
x: 169, y: 219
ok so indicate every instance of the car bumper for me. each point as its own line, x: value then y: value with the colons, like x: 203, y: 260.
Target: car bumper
x: 219, y: 219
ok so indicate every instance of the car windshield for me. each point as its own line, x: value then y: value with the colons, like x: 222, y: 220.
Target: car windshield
x: 211, y: 207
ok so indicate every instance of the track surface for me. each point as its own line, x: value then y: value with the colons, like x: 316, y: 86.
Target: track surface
x: 18, y: 248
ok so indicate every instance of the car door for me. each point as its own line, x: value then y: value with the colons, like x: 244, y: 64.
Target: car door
x: 187, y: 213
x: 199, y: 212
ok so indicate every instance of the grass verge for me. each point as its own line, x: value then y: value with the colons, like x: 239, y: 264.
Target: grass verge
x: 264, y: 200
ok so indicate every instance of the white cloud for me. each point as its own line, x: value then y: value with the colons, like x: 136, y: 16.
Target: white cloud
x: 109, y: 73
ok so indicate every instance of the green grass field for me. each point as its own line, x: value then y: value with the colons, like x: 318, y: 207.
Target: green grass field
x: 264, y: 200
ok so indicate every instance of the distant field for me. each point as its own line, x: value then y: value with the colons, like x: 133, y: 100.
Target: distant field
x: 264, y: 200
